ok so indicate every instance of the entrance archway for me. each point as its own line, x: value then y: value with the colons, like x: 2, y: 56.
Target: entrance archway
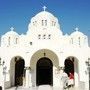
x: 69, y: 66
x: 72, y: 69
x: 17, y: 71
x: 37, y: 56
x: 44, y: 72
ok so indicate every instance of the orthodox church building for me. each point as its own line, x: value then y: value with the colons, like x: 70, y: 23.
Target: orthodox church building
x: 39, y: 56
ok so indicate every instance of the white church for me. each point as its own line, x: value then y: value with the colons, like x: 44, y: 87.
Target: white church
x: 39, y: 56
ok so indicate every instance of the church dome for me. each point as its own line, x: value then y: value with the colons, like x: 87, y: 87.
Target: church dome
x: 10, y: 38
x: 44, y: 22
x: 44, y: 19
x: 77, y: 33
x: 78, y: 38
x: 45, y: 14
x: 11, y: 33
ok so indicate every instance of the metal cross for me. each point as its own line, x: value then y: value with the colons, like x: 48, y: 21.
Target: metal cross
x: 77, y: 29
x: 12, y: 28
x: 44, y: 8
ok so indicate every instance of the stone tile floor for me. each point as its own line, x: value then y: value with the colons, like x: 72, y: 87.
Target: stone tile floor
x: 43, y: 88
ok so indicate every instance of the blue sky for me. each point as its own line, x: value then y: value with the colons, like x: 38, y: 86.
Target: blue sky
x: 71, y: 14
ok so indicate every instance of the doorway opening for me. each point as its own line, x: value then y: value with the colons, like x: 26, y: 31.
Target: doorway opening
x: 69, y: 66
x: 19, y: 69
x: 44, y: 72
x: 69, y: 69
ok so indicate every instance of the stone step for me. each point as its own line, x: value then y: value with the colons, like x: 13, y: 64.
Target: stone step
x: 42, y: 88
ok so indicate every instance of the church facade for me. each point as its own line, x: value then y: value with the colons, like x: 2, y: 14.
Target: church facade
x: 39, y: 56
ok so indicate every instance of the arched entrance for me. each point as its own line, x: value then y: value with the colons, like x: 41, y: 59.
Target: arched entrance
x: 42, y: 53
x: 69, y: 66
x: 17, y: 71
x: 72, y: 69
x: 44, y: 72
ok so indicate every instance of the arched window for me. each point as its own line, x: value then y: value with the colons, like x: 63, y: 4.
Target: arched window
x: 71, y: 40
x: 30, y: 43
x: 33, y: 23
x: 44, y: 36
x: 42, y: 22
x: 39, y: 36
x: 9, y: 40
x: 45, y: 22
x: 49, y: 36
x: 16, y: 40
x: 79, y: 40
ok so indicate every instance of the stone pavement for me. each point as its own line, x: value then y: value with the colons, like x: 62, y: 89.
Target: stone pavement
x: 42, y: 88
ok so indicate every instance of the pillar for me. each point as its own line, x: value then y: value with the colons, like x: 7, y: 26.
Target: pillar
x: 3, y: 88
x: 56, y: 77
x: 28, y: 77
x: 30, y: 83
x: 87, y: 81
x: 76, y: 80
x: 2, y: 78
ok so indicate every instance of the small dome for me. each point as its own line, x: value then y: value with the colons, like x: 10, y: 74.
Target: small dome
x: 10, y: 38
x: 12, y: 32
x: 77, y: 33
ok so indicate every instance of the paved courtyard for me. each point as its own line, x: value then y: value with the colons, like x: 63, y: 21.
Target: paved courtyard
x: 43, y: 88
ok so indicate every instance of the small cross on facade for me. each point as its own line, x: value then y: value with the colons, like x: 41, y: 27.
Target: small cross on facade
x: 44, y: 8
x: 12, y: 28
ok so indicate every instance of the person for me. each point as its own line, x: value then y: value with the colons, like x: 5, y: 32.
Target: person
x: 65, y: 80
x: 71, y: 80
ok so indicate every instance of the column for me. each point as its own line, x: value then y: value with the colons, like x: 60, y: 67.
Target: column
x: 30, y: 83
x: 87, y: 84
x: 28, y: 77
x: 4, y: 75
x: 3, y: 88
x: 61, y: 81
x: 1, y: 77
x: 76, y: 79
x: 56, y: 77
x: 87, y: 81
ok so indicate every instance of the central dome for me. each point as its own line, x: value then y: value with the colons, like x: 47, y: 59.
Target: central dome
x: 45, y: 14
x: 44, y: 20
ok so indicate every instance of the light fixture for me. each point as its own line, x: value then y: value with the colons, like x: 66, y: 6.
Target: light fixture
x: 44, y: 53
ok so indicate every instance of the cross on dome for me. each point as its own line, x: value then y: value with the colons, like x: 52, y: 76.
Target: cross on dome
x: 77, y: 29
x: 12, y: 28
x: 44, y: 8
